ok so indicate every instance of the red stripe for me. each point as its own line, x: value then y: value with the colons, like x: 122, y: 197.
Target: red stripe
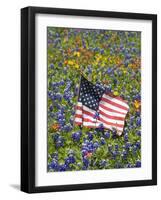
x: 114, y: 104
x: 104, y: 121
x: 90, y: 126
x: 78, y: 116
x: 112, y: 117
x: 79, y: 108
x: 117, y: 97
x: 109, y: 109
x: 101, y: 112
x: 78, y: 123
x: 106, y: 115
x: 88, y: 120
x: 87, y: 113
x: 110, y: 123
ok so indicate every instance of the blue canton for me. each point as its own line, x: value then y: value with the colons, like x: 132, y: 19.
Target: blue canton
x: 90, y: 94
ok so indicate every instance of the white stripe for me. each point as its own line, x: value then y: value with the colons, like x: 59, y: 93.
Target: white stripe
x: 86, y: 109
x: 79, y: 104
x: 116, y: 101
x: 85, y: 116
x: 121, y: 122
x: 98, y: 125
x: 89, y: 110
x: 103, y: 110
x: 79, y: 120
x: 111, y: 113
x: 112, y: 107
x: 79, y: 112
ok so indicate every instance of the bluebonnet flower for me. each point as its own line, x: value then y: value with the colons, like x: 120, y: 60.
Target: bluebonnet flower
x: 71, y: 120
x: 114, y: 154
x: 138, y: 121
x: 114, y: 133
x: 73, y: 112
x: 118, y: 165
x: 96, y: 49
x: 61, y: 83
x: 115, y: 81
x: 90, y: 136
x: 103, y: 163
x: 102, y: 141
x: 138, y: 133
x: 54, y: 84
x: 138, y: 163
x: 60, y: 142
x: 129, y: 165
x: 85, y: 162
x: 53, y: 165
x: 126, y: 137
x: 51, y: 107
x: 76, y: 136
x: 116, y: 147
x: 71, y: 151
x: 52, y: 66
x: 84, y: 152
x: 132, y: 119
x: 108, y: 88
x: 110, y: 148
x: 109, y: 70
x: 102, y: 51
x: 137, y: 113
x: 127, y: 145
x: 89, y: 69
x: 52, y: 115
x: 83, y: 44
x: 71, y: 158
x: 138, y: 145
x: 96, y: 145
x: 107, y: 134
x: 101, y: 127
x: 60, y: 64
x: 67, y: 128
x: 134, y: 149
x: 137, y: 97
x: 59, y: 97
x: 63, y: 167
x: 55, y: 136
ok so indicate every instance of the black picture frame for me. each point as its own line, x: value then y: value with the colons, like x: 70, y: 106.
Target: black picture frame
x: 28, y: 98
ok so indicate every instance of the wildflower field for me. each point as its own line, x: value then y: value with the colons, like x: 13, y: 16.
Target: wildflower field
x: 109, y: 59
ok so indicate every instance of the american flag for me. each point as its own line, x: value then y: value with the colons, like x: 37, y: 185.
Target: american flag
x: 96, y: 108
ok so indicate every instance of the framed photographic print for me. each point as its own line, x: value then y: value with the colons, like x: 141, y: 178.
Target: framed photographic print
x: 88, y: 99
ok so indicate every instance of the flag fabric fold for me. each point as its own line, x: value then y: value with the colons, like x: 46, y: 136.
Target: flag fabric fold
x: 96, y: 107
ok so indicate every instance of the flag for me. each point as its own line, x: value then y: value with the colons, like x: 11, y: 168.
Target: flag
x: 96, y: 108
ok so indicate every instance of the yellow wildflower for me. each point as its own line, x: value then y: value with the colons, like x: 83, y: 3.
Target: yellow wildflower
x: 116, y: 93
x: 124, y: 71
x: 70, y: 62
x: 137, y: 104
x: 77, y: 54
x: 76, y: 66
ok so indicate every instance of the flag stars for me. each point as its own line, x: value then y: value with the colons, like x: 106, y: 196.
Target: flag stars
x: 90, y: 94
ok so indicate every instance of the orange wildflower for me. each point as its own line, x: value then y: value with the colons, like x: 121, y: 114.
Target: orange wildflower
x: 55, y: 127
x: 89, y: 155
